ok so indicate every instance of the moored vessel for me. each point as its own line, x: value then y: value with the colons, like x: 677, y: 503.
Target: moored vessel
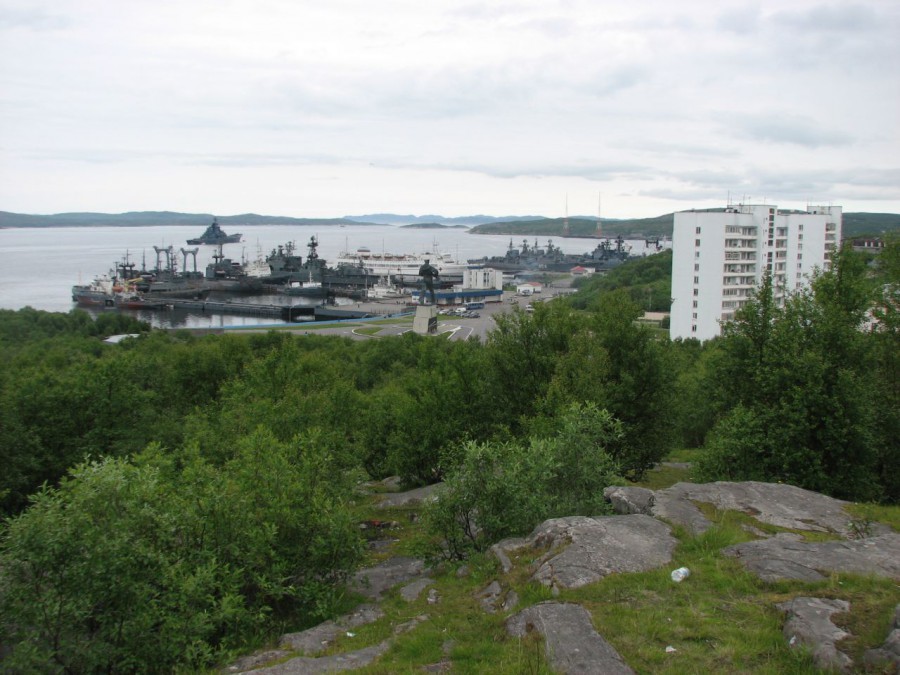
x: 215, y: 235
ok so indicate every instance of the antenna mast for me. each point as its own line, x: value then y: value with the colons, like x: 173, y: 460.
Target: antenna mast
x: 599, y: 211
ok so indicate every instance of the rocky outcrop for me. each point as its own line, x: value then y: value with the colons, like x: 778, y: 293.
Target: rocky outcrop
x: 414, y: 497
x: 593, y: 548
x: 889, y: 652
x: 809, y: 624
x: 573, y: 645
x: 773, y: 503
x: 566, y: 553
x: 316, y: 640
x: 373, y: 582
x: 787, y: 556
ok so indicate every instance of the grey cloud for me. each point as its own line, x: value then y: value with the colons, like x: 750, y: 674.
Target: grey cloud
x: 800, y: 184
x: 32, y: 18
x: 669, y: 149
x: 784, y: 128
x: 741, y: 20
x: 831, y: 18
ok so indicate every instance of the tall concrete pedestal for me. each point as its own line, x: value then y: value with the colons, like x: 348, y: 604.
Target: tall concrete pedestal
x: 425, y: 322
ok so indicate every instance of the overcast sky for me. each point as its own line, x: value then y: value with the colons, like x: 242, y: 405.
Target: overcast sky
x: 321, y: 109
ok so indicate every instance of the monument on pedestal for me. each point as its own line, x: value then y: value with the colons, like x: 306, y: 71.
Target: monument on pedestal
x: 425, y: 322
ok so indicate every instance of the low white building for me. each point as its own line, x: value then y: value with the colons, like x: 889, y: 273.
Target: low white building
x: 479, y: 278
x: 719, y: 256
x: 529, y: 288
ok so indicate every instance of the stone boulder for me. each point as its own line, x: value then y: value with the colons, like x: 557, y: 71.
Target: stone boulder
x: 809, y: 624
x: 626, y: 500
x: 415, y: 497
x: 573, y: 645
x: 373, y: 582
x: 787, y: 556
x: 777, y: 504
x: 595, y: 547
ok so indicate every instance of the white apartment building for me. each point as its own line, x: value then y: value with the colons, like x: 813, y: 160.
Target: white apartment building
x: 719, y: 256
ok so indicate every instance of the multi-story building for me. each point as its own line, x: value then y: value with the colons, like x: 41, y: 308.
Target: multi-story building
x: 719, y: 256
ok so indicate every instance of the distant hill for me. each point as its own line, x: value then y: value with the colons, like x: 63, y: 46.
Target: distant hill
x: 583, y: 226
x: 874, y: 224
x: 433, y: 226
x: 147, y: 218
x: 855, y: 224
x: 465, y: 221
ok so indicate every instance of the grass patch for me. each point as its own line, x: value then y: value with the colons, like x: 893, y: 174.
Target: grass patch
x: 662, y: 477
x: 747, y: 523
x: 368, y: 330
x: 866, y: 514
x: 684, y: 455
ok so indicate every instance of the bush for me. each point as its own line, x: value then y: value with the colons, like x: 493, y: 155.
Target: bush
x: 169, y: 563
x: 496, y: 490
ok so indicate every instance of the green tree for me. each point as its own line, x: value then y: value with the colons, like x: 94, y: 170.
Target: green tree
x: 797, y: 379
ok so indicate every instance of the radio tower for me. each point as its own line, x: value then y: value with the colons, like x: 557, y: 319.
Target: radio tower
x: 599, y: 209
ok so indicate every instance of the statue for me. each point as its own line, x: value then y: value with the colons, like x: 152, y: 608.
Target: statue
x: 429, y: 274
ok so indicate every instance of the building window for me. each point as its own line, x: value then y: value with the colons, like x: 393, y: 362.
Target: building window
x: 695, y: 316
x: 698, y: 230
x: 694, y: 328
x: 799, y: 256
x: 696, y: 254
x: 696, y: 291
x: 800, y: 237
x: 695, y: 304
x: 696, y: 267
x: 696, y: 242
x: 696, y: 280
x: 800, y: 227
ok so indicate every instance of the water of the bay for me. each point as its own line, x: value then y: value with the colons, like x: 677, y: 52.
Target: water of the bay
x: 40, y: 265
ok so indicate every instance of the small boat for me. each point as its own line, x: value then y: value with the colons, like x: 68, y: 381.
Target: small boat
x: 215, y: 235
x: 98, y: 293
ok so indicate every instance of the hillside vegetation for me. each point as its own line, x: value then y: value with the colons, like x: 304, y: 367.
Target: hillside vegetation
x: 854, y: 225
x: 173, y: 501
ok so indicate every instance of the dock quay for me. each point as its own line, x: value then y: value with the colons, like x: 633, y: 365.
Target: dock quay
x: 289, y: 313
x: 285, y: 312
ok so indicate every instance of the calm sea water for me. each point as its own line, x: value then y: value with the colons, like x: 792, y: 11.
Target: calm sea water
x: 40, y: 265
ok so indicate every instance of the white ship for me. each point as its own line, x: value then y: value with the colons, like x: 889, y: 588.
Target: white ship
x: 403, y: 266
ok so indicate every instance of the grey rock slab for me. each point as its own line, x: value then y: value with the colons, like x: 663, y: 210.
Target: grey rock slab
x: 773, y: 503
x: 809, y: 624
x: 627, y: 500
x: 373, y: 582
x: 787, y: 556
x: 410, y: 497
x: 305, y: 665
x: 412, y: 590
x: 315, y: 640
x: 573, y: 645
x: 889, y: 652
x: 489, y: 596
x: 502, y: 548
x: 252, y: 661
x: 600, y: 546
